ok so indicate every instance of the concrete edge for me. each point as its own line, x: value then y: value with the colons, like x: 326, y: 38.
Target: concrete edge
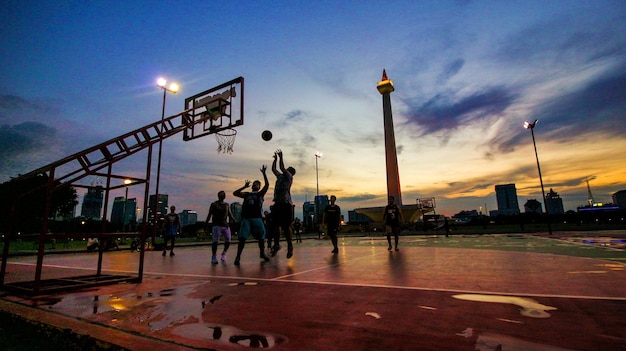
x: 98, y: 337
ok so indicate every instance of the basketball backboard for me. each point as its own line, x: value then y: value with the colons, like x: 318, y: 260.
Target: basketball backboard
x: 220, y: 107
x: 426, y: 203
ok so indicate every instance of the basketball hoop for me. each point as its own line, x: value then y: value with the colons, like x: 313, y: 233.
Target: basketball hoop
x: 225, y: 140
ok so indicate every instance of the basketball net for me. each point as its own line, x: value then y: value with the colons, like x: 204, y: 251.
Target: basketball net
x: 225, y: 140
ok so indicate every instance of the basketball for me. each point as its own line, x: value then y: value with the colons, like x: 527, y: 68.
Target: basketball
x: 266, y: 135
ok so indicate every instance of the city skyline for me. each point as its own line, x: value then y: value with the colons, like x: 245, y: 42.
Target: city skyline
x: 555, y: 207
x: 467, y: 75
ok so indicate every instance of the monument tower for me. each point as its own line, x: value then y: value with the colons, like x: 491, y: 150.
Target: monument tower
x: 411, y: 212
x: 385, y: 88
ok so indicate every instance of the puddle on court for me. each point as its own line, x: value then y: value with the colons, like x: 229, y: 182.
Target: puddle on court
x: 229, y: 334
x: 612, y: 266
x: 167, y: 308
x: 529, y: 307
x: 493, y: 341
x: 614, y: 243
x: 83, y: 305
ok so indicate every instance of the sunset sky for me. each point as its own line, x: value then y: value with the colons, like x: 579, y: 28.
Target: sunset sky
x: 467, y: 75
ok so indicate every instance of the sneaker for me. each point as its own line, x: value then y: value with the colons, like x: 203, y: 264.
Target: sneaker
x: 223, y: 257
x: 164, y: 253
x: 236, y: 261
x: 389, y: 248
x: 397, y: 249
x: 264, y: 257
x: 172, y: 253
x: 214, y: 260
x: 275, y: 249
x: 289, y: 253
x: 335, y: 250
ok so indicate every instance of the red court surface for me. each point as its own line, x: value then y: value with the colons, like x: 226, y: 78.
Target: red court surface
x: 364, y: 298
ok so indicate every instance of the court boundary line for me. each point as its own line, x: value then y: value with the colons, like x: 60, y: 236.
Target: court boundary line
x: 378, y: 286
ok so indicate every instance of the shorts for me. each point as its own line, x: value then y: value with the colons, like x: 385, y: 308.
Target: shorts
x: 254, y: 226
x: 170, y: 232
x: 219, y: 231
x: 332, y: 230
x: 392, y: 229
x: 282, y: 214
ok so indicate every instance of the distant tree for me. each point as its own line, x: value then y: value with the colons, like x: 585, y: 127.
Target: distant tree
x: 64, y: 201
x: 29, y: 196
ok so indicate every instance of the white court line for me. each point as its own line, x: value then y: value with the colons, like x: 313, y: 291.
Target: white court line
x: 583, y: 244
x: 360, y: 285
x: 326, y: 266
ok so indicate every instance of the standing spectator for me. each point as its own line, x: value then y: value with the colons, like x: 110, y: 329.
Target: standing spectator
x: 297, y: 229
x: 282, y: 214
x: 172, y: 228
x: 392, y: 216
x: 269, y: 227
x: 252, y: 215
x: 220, y: 211
x: 332, y: 221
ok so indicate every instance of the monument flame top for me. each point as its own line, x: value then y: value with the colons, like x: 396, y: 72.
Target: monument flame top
x: 385, y: 86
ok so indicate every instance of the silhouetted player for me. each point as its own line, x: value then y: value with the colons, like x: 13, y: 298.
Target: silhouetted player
x: 282, y: 212
x: 332, y: 220
x: 252, y: 215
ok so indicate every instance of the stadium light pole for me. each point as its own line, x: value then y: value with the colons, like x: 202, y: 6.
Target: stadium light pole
x: 318, y: 155
x: 127, y: 182
x: 172, y: 88
x: 531, y: 126
x: 317, y: 178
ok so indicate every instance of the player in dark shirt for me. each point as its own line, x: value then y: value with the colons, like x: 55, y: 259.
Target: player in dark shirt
x: 332, y: 221
x: 252, y: 215
x: 172, y: 228
x: 220, y: 214
x: 392, y: 218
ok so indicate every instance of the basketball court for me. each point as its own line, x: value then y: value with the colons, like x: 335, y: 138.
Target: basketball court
x: 425, y: 297
x: 500, y: 293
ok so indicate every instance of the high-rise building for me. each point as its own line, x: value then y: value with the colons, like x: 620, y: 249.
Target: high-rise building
x: 506, y: 197
x: 321, y: 201
x: 188, y: 217
x: 533, y: 206
x: 117, y: 212
x: 130, y: 215
x: 124, y: 211
x: 358, y: 218
x: 308, y: 214
x: 161, y: 209
x: 554, y: 203
x: 619, y: 198
x: 92, y: 203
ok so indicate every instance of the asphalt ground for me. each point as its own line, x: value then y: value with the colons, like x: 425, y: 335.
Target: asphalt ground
x: 464, y: 292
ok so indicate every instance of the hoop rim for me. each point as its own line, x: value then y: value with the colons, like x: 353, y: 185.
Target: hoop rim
x: 225, y: 140
x: 227, y: 132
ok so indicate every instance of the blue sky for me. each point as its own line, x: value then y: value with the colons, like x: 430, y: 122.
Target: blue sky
x: 467, y: 75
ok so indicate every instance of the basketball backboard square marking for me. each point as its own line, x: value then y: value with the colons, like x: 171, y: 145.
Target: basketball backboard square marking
x: 219, y: 108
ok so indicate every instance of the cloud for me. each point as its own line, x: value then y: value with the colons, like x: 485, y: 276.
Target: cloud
x: 557, y: 42
x: 295, y: 116
x: 12, y: 102
x: 598, y: 106
x: 24, y: 137
x: 24, y: 147
x: 359, y: 198
x: 35, y: 132
x: 451, y: 69
x: 26, y: 143
x: 446, y: 112
x: 15, y: 109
